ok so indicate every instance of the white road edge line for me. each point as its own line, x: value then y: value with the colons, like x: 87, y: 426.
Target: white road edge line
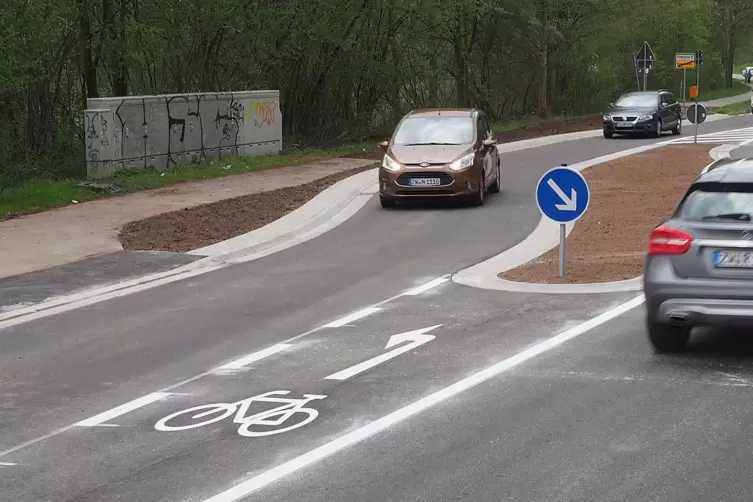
x: 252, y: 358
x: 266, y: 478
x: 352, y: 317
x: 426, y: 287
x: 122, y: 410
x: 7, y: 464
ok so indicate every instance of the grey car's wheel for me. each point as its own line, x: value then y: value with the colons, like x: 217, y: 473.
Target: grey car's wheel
x: 386, y: 201
x: 657, y: 128
x: 678, y: 128
x: 608, y: 134
x: 667, y: 338
x: 478, y: 198
x: 497, y: 185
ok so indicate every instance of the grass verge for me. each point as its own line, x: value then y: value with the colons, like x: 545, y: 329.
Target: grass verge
x: 38, y: 195
x: 734, y: 109
x: 737, y: 88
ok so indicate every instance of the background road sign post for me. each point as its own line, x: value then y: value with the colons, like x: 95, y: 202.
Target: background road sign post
x: 563, y: 196
x: 644, y: 61
x: 685, y: 62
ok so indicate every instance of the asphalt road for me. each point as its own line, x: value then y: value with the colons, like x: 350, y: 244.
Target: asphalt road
x: 598, y: 418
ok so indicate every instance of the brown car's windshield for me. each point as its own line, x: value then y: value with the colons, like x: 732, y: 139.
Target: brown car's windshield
x: 435, y: 131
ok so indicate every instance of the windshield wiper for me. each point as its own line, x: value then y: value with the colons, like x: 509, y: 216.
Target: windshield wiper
x: 728, y: 216
x: 421, y: 144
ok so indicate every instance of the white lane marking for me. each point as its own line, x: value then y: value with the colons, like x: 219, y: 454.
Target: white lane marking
x: 122, y: 410
x: 7, y: 464
x: 260, y: 481
x: 252, y: 358
x: 426, y: 287
x: 416, y: 338
x: 169, y: 388
x: 352, y: 317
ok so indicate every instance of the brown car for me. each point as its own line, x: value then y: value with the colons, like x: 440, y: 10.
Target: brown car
x: 440, y: 153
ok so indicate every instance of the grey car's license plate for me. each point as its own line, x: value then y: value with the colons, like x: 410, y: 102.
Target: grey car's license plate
x: 623, y: 125
x: 425, y: 182
x: 733, y: 259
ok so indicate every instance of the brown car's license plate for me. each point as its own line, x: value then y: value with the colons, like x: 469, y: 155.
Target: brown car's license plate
x: 425, y: 182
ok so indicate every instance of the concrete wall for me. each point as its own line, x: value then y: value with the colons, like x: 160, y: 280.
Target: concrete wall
x: 172, y: 129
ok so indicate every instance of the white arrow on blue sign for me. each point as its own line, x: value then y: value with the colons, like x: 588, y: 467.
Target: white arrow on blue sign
x: 563, y: 194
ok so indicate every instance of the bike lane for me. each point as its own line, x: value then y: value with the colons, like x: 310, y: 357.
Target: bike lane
x: 366, y: 365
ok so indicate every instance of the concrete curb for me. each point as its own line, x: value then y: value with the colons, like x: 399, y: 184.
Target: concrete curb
x: 722, y: 151
x: 544, y: 237
x: 328, y: 209
x: 324, y: 212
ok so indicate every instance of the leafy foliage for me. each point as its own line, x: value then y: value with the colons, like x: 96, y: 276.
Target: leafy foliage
x: 346, y: 69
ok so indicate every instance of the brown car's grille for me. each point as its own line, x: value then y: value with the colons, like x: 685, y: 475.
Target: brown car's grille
x: 444, y: 178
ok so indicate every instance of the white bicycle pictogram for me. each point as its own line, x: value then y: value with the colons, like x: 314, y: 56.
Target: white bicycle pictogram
x: 221, y: 411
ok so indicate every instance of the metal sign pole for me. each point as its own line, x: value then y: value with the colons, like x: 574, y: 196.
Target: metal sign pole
x: 684, y: 85
x: 698, y: 86
x: 563, y: 242
x: 562, y: 249
x: 645, y: 75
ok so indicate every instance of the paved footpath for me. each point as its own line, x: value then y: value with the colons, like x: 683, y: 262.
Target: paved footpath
x: 71, y: 233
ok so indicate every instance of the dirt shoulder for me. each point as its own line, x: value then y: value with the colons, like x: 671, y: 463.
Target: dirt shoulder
x: 206, y: 224
x: 629, y: 197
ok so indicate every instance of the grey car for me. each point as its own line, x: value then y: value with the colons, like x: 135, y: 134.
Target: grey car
x: 699, y: 268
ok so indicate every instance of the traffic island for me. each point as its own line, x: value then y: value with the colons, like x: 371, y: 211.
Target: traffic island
x: 629, y: 197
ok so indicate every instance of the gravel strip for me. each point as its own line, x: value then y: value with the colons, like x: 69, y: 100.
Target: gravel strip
x: 199, y: 226
x: 629, y: 197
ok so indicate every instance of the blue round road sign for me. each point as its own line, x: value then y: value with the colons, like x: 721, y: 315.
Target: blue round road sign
x: 563, y: 194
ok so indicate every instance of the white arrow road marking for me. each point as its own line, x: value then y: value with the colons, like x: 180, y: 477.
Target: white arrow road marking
x: 570, y: 203
x: 416, y: 338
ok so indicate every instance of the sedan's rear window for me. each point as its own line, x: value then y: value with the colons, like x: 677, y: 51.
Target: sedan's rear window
x: 435, y: 130
x: 718, y: 202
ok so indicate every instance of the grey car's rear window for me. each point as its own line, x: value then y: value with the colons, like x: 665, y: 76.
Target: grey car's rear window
x: 722, y: 201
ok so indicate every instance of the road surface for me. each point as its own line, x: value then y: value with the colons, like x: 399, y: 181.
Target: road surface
x: 489, y: 405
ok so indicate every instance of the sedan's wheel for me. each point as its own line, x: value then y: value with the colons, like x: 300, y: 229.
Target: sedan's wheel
x: 386, y: 201
x: 667, y: 338
x: 657, y: 128
x: 608, y: 134
x: 678, y: 128
x: 479, y: 197
x: 497, y: 185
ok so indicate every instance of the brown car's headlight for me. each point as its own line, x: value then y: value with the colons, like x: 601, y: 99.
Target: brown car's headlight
x: 463, y: 162
x: 389, y: 164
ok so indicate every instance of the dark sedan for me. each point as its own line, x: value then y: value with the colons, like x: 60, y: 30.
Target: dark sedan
x: 647, y: 112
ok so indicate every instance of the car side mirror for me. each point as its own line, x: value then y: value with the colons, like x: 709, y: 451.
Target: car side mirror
x: 489, y: 143
x: 383, y: 145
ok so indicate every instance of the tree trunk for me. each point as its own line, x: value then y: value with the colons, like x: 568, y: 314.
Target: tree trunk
x: 87, y: 65
x: 543, y: 107
x: 461, y: 89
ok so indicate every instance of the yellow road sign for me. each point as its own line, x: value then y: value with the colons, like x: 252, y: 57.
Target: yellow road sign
x: 685, y: 61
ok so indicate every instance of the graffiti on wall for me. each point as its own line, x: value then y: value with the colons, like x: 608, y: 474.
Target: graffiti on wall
x: 92, y: 137
x: 192, y: 125
x: 165, y: 131
x: 263, y: 112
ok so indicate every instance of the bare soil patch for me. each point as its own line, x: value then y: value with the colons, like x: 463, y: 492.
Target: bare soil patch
x: 199, y: 226
x: 629, y: 197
